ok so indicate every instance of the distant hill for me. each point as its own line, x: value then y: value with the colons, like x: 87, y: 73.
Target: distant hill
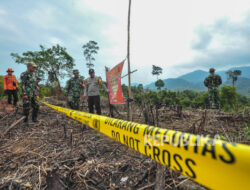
x: 194, y: 81
x: 200, y: 75
x: 195, y: 76
x: 134, y: 84
x: 176, y: 84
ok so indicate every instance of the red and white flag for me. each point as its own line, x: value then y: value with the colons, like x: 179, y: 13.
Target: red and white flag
x: 114, y: 84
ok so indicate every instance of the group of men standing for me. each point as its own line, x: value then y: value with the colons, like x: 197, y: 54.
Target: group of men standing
x: 29, y: 90
x: 91, y: 90
x: 75, y: 87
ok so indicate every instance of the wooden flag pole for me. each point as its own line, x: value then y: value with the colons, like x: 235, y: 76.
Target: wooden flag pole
x: 111, y: 113
x: 129, y: 72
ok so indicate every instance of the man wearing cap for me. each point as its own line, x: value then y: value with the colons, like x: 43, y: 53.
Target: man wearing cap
x: 29, y: 90
x: 212, y: 82
x: 74, y: 89
x: 10, y: 86
x: 92, y: 92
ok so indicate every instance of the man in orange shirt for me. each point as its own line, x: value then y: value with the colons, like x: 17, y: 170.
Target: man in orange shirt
x: 10, y: 86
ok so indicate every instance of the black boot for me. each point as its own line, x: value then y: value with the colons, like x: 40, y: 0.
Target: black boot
x: 26, y: 119
x: 34, y: 116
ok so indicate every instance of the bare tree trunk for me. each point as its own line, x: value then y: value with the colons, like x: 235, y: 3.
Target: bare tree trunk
x: 59, y: 87
x: 59, y: 92
x: 160, y: 170
x: 160, y: 177
x: 144, y: 109
x: 179, y: 111
x: 157, y: 115
x: 152, y: 113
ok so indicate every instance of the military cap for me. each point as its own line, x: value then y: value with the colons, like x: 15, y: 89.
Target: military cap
x: 75, y: 71
x: 91, y: 71
x: 32, y: 64
x: 211, y: 70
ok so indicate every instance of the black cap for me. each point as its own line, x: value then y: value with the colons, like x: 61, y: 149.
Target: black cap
x: 38, y: 78
x: 91, y: 71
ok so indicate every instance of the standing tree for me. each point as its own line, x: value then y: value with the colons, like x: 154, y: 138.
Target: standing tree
x: 156, y: 71
x: 89, y: 50
x: 233, y: 75
x: 228, y: 97
x: 159, y: 84
x: 54, y: 62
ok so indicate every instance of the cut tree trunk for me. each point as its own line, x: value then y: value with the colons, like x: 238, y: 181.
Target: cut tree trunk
x: 160, y: 177
x: 160, y: 170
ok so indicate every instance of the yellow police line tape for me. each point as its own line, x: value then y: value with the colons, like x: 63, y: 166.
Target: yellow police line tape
x: 213, y: 163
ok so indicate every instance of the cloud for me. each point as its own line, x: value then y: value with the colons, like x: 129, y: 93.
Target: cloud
x: 24, y: 28
x: 2, y: 12
x: 223, y: 44
x: 178, y: 36
x: 55, y: 40
x: 203, y: 39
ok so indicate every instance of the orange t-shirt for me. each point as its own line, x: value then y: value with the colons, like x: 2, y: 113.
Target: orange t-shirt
x: 8, y: 82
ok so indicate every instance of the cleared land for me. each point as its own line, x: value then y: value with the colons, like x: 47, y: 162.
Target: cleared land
x: 60, y: 153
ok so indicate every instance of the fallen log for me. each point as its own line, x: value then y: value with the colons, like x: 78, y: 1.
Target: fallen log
x: 13, y: 125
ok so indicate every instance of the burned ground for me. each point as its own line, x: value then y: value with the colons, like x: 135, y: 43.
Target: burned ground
x: 60, y: 153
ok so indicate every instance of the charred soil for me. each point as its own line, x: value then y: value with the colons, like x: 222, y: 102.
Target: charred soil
x: 60, y: 153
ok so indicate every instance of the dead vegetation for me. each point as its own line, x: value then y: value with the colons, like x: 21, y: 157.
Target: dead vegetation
x: 60, y: 153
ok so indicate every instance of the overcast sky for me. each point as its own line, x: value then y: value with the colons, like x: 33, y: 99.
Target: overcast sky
x: 178, y: 35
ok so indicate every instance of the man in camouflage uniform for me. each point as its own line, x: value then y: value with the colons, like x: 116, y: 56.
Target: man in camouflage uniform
x: 92, y: 93
x: 213, y: 81
x: 29, y: 89
x: 74, y: 89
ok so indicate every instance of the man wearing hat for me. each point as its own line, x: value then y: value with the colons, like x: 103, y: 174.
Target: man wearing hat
x: 92, y: 92
x: 74, y: 89
x: 29, y: 90
x: 10, y: 86
x: 212, y: 82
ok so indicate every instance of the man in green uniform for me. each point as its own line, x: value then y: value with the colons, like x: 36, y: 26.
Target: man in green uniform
x: 74, y: 89
x: 92, y: 93
x: 29, y: 89
x: 213, y: 82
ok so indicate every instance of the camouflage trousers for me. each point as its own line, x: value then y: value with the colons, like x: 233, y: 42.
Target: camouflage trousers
x: 213, y: 96
x: 30, y: 102
x: 73, y: 102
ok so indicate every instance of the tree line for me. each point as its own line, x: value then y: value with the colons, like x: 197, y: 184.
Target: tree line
x: 55, y: 63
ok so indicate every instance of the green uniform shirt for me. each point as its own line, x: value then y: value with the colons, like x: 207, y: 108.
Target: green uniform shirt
x: 28, y: 84
x: 74, y: 87
x: 213, y: 81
